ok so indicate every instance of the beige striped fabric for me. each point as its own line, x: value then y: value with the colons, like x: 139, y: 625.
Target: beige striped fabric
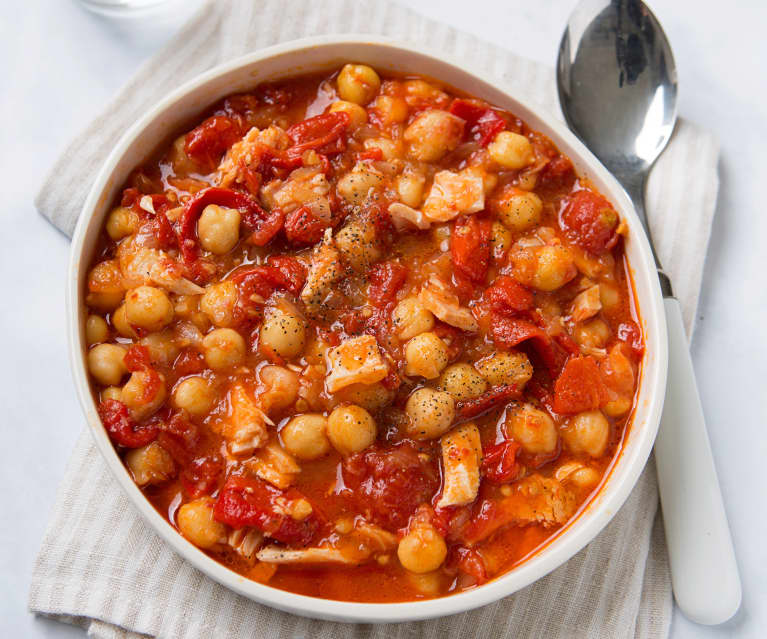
x: 101, y: 567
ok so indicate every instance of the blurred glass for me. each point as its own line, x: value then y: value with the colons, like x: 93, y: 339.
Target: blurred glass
x: 123, y: 7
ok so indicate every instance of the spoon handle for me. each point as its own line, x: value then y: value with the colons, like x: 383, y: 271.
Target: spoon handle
x: 704, y: 572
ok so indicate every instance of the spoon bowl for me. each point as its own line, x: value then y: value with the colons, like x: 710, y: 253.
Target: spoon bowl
x: 618, y: 84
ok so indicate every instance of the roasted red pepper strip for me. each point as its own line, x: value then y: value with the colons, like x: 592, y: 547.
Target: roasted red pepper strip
x: 246, y: 501
x: 482, y: 122
x: 322, y: 133
x: 508, y: 332
x: 121, y: 427
x: 487, y: 401
x: 499, y: 462
x: 252, y: 215
x: 209, y: 140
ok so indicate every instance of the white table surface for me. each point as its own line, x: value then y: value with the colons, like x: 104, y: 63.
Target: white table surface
x: 60, y: 64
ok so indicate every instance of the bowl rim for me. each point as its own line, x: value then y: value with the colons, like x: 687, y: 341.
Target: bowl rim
x: 582, y: 529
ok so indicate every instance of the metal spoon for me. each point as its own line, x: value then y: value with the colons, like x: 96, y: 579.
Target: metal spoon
x: 617, y: 87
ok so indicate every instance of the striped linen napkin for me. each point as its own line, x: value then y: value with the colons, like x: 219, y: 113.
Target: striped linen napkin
x: 101, y: 567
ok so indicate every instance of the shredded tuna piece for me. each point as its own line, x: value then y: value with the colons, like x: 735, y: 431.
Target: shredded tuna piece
x: 272, y: 464
x: 461, y: 459
x: 324, y: 270
x: 404, y: 216
x: 245, y: 428
x: 246, y: 541
x: 355, y: 361
x: 533, y: 500
x: 280, y: 555
x: 586, y: 304
x: 440, y: 300
x: 454, y: 193
x: 248, y: 152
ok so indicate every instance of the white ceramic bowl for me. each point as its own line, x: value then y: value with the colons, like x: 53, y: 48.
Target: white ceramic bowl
x: 324, y: 53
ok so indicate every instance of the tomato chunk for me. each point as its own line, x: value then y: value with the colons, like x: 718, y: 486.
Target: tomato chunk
x: 249, y: 501
x: 507, y: 296
x: 470, y: 247
x: 303, y: 227
x: 121, y: 427
x: 590, y: 221
x: 579, y: 386
x: 386, y: 279
x: 201, y: 477
x: 390, y: 483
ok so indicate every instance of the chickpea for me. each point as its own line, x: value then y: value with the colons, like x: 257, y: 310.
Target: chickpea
x: 554, y: 268
x: 283, y: 333
x: 511, y: 150
x: 148, y: 307
x: 96, y: 329
x: 533, y: 429
x: 134, y: 394
x: 500, y: 240
x: 358, y: 83
x: 218, y: 303
x: 618, y: 406
x: 357, y: 114
x: 162, y: 347
x: 111, y: 392
x: 578, y: 475
x: 306, y: 436
x: 505, y: 368
x: 462, y: 382
x: 588, y: 433
x: 355, y: 186
x: 194, y: 395
x: 412, y: 318
x: 391, y: 110
x: 390, y: 149
x: 105, y: 363
x: 432, y: 134
x: 609, y: 296
x: 223, y: 348
x: 518, y: 210
x: 351, y: 429
x: 121, y: 324
x: 431, y: 413
x: 121, y: 223
x: 218, y: 229
x: 371, y: 397
x: 281, y: 387
x: 410, y: 189
x: 195, y: 521
x: 357, y: 243
x: 422, y: 550
x: 425, y: 355
x: 150, y: 464
x: 105, y: 286
x: 593, y: 333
